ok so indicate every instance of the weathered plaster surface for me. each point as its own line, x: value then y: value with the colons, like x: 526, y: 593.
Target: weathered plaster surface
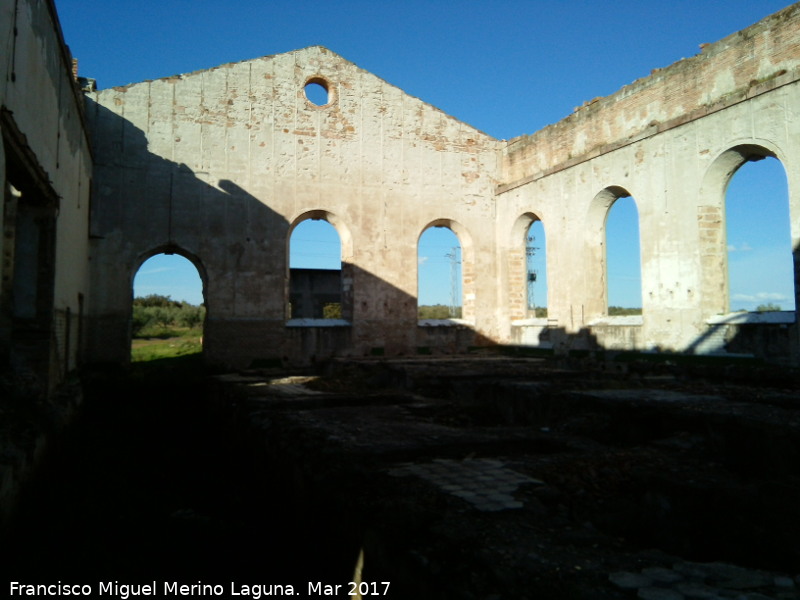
x: 220, y: 165
x: 223, y: 163
x: 672, y: 141
x: 44, y: 130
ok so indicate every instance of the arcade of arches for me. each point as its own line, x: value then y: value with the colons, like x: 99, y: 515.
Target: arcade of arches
x: 380, y: 179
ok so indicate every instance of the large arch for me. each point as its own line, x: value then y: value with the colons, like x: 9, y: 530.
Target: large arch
x: 468, y: 284
x: 712, y: 224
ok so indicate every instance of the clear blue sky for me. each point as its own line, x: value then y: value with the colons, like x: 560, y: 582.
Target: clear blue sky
x: 505, y: 67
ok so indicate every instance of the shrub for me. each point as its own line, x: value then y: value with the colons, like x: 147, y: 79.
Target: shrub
x: 191, y: 316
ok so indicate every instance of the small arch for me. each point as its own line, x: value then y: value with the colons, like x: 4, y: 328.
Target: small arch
x: 169, y: 250
x: 460, y: 270
x: 527, y: 258
x: 323, y: 215
x: 319, y: 284
x: 621, y: 283
x: 623, y: 258
x: 169, y: 300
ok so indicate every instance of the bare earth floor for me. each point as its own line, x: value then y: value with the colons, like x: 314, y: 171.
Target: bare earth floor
x: 465, y: 477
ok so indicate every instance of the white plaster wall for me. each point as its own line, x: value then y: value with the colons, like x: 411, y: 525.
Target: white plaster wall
x: 665, y: 173
x: 47, y: 111
x: 223, y: 163
x: 232, y: 157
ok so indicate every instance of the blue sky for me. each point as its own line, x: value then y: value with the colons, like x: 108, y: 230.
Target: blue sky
x: 506, y: 67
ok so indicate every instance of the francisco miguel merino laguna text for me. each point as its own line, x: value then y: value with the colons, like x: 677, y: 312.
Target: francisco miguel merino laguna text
x: 124, y: 591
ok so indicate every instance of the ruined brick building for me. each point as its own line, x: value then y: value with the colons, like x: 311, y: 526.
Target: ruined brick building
x: 221, y: 165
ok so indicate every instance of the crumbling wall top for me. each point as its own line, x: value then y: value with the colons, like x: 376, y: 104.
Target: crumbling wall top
x: 740, y: 66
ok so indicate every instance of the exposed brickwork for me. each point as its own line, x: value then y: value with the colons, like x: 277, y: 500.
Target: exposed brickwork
x: 730, y: 71
x: 222, y: 164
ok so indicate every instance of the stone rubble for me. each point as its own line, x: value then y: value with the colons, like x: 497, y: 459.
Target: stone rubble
x: 711, y: 581
x: 484, y: 483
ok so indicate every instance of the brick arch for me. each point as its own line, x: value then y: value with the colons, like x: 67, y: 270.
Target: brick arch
x: 338, y: 223
x: 711, y: 222
x: 468, y: 284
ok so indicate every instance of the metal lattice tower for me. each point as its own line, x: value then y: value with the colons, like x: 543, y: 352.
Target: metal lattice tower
x: 530, y: 272
x: 455, y: 279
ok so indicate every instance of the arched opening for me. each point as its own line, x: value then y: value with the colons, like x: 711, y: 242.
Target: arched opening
x: 623, y: 258
x: 168, y: 309
x: 527, y: 264
x: 439, y: 274
x: 536, y: 270
x: 315, y: 270
x: 758, y: 238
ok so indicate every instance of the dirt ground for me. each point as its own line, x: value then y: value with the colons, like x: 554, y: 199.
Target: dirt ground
x: 486, y: 478
x: 689, y: 476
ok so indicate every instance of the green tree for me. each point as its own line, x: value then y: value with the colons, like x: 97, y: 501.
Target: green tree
x: 141, y: 319
x: 155, y: 300
x: 191, y: 316
x: 769, y: 307
x: 437, y: 311
x: 620, y: 311
x: 163, y: 316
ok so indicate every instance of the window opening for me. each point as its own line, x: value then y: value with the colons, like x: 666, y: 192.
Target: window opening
x: 623, y: 259
x: 439, y: 275
x: 315, y: 271
x: 316, y: 91
x: 760, y: 265
x: 536, y: 270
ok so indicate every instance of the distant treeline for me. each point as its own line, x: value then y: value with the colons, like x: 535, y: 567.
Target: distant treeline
x: 619, y: 311
x: 438, y: 311
x: 154, y: 313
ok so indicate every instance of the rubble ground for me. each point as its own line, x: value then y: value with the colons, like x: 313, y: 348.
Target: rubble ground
x: 475, y: 477
x: 499, y: 477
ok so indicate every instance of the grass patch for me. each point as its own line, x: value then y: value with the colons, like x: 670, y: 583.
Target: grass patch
x: 167, y: 346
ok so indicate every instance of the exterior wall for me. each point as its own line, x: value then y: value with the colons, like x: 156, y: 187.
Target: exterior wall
x: 223, y: 163
x: 46, y: 147
x: 45, y: 175
x: 672, y: 141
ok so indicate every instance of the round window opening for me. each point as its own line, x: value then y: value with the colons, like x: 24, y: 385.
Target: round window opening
x: 317, y: 92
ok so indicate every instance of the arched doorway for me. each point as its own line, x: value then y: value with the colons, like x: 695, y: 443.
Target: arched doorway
x: 168, y: 311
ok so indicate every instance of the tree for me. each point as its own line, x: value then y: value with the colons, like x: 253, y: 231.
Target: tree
x: 769, y: 307
x: 155, y: 300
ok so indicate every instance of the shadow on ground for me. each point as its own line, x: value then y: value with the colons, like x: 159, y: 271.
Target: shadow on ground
x: 144, y: 486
